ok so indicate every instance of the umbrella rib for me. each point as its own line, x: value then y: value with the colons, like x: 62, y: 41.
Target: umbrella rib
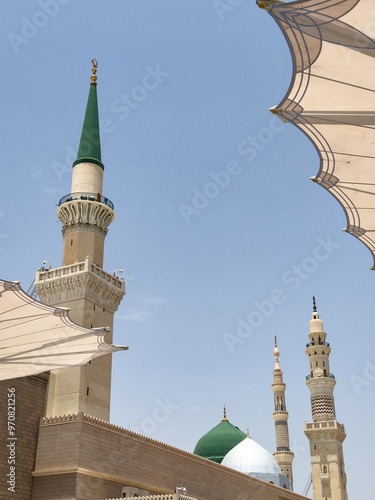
x: 343, y: 83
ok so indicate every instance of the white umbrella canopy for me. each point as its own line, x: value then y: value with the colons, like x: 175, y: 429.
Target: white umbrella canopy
x: 332, y: 98
x: 35, y: 337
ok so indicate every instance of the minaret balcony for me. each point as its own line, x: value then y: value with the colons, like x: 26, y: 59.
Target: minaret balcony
x: 317, y: 343
x: 80, y: 280
x: 329, y: 375
x: 317, y: 430
x: 87, y: 197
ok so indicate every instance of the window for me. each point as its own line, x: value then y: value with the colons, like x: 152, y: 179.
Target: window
x: 87, y: 391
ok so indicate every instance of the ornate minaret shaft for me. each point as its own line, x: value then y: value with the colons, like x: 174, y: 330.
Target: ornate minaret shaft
x: 325, y: 434
x: 92, y: 294
x: 283, y: 456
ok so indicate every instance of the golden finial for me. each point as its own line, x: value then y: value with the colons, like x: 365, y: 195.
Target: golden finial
x: 93, y: 76
x: 247, y: 433
x: 275, y: 341
x: 225, y: 414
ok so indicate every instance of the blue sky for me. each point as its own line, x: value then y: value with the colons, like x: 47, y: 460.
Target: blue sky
x: 217, y: 222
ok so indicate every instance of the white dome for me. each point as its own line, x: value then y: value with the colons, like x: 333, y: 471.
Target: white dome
x: 249, y: 457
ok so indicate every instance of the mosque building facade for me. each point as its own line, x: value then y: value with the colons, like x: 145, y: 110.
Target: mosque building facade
x: 69, y: 450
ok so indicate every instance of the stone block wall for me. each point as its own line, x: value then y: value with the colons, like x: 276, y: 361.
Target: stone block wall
x: 18, y: 442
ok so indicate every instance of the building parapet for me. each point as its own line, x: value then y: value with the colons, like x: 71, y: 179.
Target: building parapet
x: 80, y: 267
x: 97, y: 422
x: 78, y: 280
x: 158, y: 497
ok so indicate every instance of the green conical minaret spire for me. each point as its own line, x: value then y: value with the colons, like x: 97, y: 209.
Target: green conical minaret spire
x: 89, y: 144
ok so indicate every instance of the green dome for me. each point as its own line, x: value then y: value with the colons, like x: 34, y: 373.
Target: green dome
x: 218, y: 441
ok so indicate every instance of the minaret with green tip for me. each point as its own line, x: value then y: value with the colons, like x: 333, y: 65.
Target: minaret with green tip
x: 89, y: 144
x: 85, y: 225
x: 81, y: 284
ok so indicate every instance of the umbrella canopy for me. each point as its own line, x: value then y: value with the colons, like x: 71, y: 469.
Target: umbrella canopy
x: 331, y: 98
x: 35, y: 337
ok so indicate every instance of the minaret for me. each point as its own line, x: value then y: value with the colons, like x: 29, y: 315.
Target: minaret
x: 283, y: 456
x: 325, y: 434
x: 81, y: 284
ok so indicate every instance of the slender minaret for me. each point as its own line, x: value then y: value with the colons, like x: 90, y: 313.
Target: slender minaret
x: 81, y: 284
x: 325, y: 434
x: 283, y: 456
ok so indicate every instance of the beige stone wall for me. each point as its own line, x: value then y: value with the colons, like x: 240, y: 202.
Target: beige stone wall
x: 29, y: 406
x: 78, y: 244
x: 83, y: 388
x: 104, y: 458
